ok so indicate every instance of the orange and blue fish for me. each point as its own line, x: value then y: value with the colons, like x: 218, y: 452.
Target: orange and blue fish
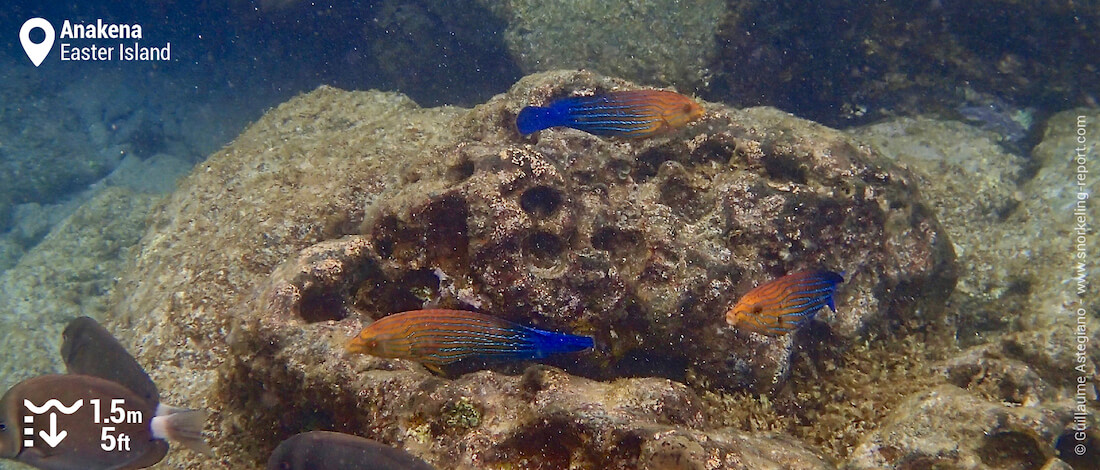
x: 632, y: 114
x: 779, y: 306
x: 439, y: 337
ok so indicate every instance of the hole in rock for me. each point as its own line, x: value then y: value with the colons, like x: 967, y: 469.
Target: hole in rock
x: 541, y: 201
x: 415, y: 290
x: 445, y: 238
x: 717, y: 150
x: 649, y: 161
x: 543, y: 245
x: 618, y: 242
x: 460, y: 171
x: 785, y: 168
x: 412, y: 290
x: 550, y: 444
x: 1012, y: 449
x: 321, y: 306
x: 682, y: 198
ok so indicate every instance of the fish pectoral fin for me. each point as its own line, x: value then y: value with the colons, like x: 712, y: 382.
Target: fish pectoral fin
x: 434, y: 368
x: 43, y: 457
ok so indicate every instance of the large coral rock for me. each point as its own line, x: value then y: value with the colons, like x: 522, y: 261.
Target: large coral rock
x: 339, y: 207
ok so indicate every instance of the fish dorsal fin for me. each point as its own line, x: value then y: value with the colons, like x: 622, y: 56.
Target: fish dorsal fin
x: 89, y: 349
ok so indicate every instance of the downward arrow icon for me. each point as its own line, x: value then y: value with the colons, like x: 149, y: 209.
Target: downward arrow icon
x: 53, y: 438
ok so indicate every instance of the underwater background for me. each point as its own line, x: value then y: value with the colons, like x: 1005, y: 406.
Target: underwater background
x: 297, y: 170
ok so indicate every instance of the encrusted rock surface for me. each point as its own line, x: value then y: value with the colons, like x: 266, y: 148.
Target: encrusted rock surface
x: 1027, y: 368
x: 945, y: 427
x: 340, y: 207
x: 1053, y: 204
x: 1013, y: 222
x: 1011, y: 219
x: 657, y: 42
x: 72, y: 272
x: 973, y: 186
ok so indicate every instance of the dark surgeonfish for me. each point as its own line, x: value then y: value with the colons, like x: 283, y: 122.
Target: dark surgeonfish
x: 101, y: 374
x: 439, y: 337
x: 325, y: 450
x: 779, y: 306
x: 89, y: 349
x: 630, y: 114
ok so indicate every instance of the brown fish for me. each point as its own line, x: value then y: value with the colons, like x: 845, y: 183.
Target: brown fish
x: 324, y: 450
x: 112, y: 428
x: 89, y: 349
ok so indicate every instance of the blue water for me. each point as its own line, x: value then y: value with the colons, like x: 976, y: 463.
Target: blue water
x: 228, y: 64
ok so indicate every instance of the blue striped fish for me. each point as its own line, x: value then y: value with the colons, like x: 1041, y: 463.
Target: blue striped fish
x: 636, y: 113
x: 439, y: 337
x: 779, y: 306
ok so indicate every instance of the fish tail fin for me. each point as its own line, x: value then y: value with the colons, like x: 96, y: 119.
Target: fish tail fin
x: 549, y: 342
x: 534, y: 119
x: 835, y: 278
x: 182, y: 426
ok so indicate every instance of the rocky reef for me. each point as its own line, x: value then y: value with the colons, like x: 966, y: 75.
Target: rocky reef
x: 62, y: 141
x: 972, y: 184
x: 986, y: 197
x: 1014, y: 310
x: 339, y: 207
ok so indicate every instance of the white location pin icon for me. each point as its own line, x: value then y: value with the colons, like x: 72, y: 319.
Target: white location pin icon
x: 36, y: 52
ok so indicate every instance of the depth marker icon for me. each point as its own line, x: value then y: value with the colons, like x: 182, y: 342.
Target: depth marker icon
x: 54, y: 437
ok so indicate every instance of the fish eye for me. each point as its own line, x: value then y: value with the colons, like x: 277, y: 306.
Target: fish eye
x: 3, y: 426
